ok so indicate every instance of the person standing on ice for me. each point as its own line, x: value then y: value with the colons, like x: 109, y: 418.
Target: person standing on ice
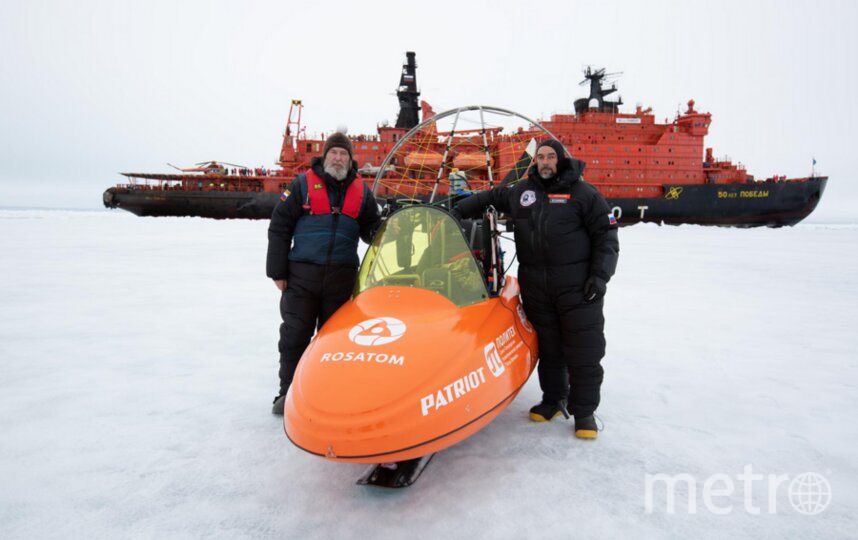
x: 312, y: 248
x: 567, y: 246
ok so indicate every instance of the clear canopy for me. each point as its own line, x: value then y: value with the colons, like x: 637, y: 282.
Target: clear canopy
x: 422, y: 246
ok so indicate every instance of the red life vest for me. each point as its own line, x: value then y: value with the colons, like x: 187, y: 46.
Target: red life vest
x: 317, y: 196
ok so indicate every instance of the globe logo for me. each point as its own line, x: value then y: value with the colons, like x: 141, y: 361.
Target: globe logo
x: 380, y: 331
x: 809, y: 493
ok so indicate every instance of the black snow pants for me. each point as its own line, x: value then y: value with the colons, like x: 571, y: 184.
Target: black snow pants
x: 571, y: 336
x: 313, y: 293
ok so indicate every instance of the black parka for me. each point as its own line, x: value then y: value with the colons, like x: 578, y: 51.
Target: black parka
x: 564, y: 223
x: 564, y: 233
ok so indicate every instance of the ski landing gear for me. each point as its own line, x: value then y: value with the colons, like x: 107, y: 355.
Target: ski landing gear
x: 395, y: 475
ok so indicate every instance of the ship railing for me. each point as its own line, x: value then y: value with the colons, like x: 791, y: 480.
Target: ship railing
x: 203, y: 183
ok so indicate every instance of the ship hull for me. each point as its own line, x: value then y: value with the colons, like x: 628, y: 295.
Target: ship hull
x: 772, y: 204
x: 209, y: 204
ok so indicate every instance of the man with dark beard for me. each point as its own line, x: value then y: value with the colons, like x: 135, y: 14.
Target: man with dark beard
x: 312, y: 248
x: 567, y: 246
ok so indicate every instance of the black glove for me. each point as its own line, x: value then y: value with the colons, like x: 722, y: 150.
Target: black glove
x: 594, y: 289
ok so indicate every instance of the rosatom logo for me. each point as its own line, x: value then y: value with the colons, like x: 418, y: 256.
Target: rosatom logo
x: 380, y: 331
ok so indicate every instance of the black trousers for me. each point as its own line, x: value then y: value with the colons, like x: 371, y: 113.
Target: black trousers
x: 571, y: 335
x: 313, y: 293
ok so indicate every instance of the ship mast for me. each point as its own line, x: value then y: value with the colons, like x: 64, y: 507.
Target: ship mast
x: 408, y: 94
x: 598, y: 93
x: 289, y: 149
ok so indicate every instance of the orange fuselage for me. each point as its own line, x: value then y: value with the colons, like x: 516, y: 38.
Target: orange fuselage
x: 400, y: 372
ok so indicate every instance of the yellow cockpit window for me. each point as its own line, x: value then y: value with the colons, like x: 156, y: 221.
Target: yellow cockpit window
x: 421, y: 246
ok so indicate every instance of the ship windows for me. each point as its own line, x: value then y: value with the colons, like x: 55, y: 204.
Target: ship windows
x: 375, y: 147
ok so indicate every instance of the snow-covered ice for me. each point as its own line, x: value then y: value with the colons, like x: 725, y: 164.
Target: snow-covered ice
x: 138, y: 361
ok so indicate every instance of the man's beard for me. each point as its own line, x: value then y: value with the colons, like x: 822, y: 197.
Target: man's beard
x: 545, y: 173
x: 337, y: 173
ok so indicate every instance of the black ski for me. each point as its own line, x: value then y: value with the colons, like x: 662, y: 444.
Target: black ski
x: 395, y: 475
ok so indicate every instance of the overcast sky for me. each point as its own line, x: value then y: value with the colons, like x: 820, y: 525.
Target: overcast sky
x: 92, y: 88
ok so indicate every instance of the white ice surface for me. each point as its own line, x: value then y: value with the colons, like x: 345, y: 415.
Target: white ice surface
x: 138, y: 361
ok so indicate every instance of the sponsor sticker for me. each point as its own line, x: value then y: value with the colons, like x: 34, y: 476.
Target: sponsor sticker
x: 379, y: 331
x: 453, y: 391
x: 363, y: 357
x: 493, y: 360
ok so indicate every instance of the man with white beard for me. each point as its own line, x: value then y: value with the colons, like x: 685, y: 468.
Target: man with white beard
x: 312, y: 248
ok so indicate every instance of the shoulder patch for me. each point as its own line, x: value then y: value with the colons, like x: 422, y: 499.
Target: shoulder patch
x: 612, y: 219
x: 528, y: 198
x: 285, y: 195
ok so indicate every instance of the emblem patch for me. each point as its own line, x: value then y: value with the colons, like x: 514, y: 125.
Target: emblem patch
x: 528, y: 198
x: 380, y: 331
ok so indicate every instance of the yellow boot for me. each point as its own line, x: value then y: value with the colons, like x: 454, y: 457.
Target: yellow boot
x: 586, y: 428
x: 544, y: 411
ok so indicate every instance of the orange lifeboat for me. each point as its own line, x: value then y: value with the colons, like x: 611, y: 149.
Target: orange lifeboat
x: 468, y: 161
x: 423, y: 160
x: 421, y: 358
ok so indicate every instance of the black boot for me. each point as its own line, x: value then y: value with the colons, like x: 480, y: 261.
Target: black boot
x: 279, y: 402
x: 544, y: 411
x: 586, y: 428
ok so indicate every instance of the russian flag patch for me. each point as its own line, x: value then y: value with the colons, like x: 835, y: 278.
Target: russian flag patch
x: 284, y: 195
x: 612, y: 219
